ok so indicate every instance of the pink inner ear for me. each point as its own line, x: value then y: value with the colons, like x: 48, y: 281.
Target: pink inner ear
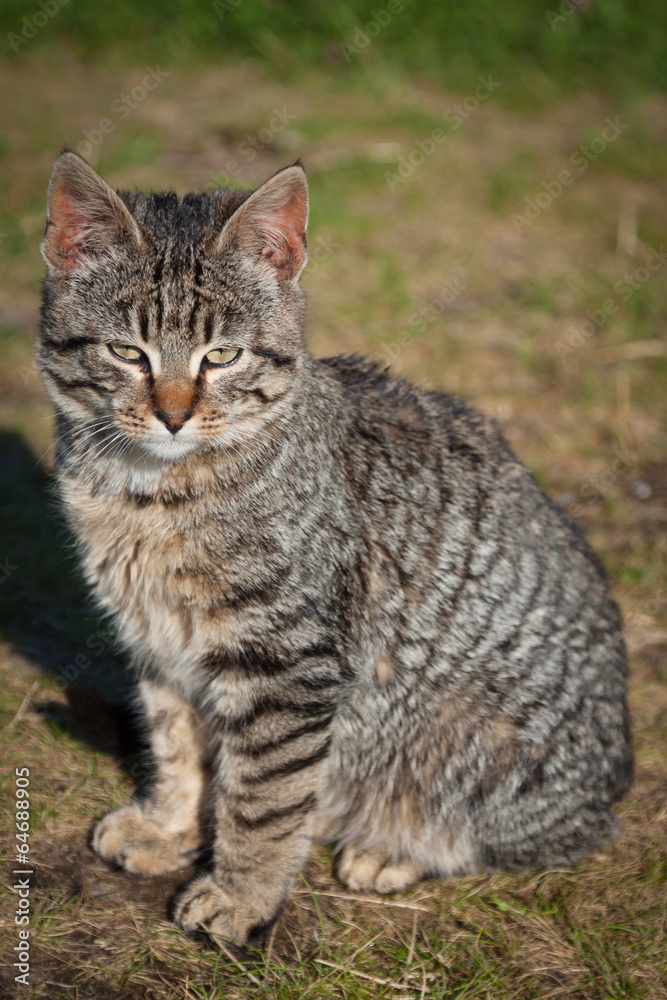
x: 85, y: 216
x: 277, y: 231
x: 67, y: 225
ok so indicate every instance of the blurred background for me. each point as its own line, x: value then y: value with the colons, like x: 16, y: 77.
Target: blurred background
x: 489, y: 209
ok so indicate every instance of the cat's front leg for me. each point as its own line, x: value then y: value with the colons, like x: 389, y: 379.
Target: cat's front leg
x: 265, y: 786
x: 163, y: 832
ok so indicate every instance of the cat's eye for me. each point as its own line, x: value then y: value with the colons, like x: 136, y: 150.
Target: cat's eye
x: 127, y: 352
x: 223, y: 356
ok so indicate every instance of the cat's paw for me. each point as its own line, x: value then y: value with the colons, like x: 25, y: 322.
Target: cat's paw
x: 205, y: 906
x: 128, y: 838
x: 374, y: 871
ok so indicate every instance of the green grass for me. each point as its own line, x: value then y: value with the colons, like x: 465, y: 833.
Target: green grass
x: 610, y: 43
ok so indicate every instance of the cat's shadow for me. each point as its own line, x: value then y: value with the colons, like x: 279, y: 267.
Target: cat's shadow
x: 46, y: 619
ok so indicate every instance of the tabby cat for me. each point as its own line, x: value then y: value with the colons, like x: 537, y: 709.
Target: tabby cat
x: 353, y: 616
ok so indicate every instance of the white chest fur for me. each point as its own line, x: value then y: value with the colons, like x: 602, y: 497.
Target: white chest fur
x: 149, y: 568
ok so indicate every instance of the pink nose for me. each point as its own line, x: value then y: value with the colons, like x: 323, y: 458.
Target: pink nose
x: 173, y: 421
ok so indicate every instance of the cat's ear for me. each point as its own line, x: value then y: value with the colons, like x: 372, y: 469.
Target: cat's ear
x: 85, y: 217
x: 270, y: 225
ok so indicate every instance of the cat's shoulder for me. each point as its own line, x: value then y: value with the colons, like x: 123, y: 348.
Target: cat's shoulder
x: 379, y: 397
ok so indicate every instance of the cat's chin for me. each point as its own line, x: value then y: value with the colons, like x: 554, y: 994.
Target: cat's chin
x: 144, y: 465
x: 169, y: 450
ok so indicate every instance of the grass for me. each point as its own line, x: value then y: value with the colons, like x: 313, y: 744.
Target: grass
x: 538, y: 49
x: 596, y: 931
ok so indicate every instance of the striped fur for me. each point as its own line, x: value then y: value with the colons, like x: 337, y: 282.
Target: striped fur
x: 353, y: 615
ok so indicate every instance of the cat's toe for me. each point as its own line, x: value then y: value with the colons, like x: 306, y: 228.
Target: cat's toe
x: 128, y: 839
x: 374, y: 871
x: 358, y: 869
x: 205, y: 906
x: 398, y: 876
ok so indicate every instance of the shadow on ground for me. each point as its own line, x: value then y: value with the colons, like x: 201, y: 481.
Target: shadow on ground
x: 45, y: 616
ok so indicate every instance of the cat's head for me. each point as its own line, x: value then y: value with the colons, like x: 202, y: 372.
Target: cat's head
x: 173, y: 324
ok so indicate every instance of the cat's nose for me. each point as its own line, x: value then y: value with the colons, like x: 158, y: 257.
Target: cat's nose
x: 173, y: 421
